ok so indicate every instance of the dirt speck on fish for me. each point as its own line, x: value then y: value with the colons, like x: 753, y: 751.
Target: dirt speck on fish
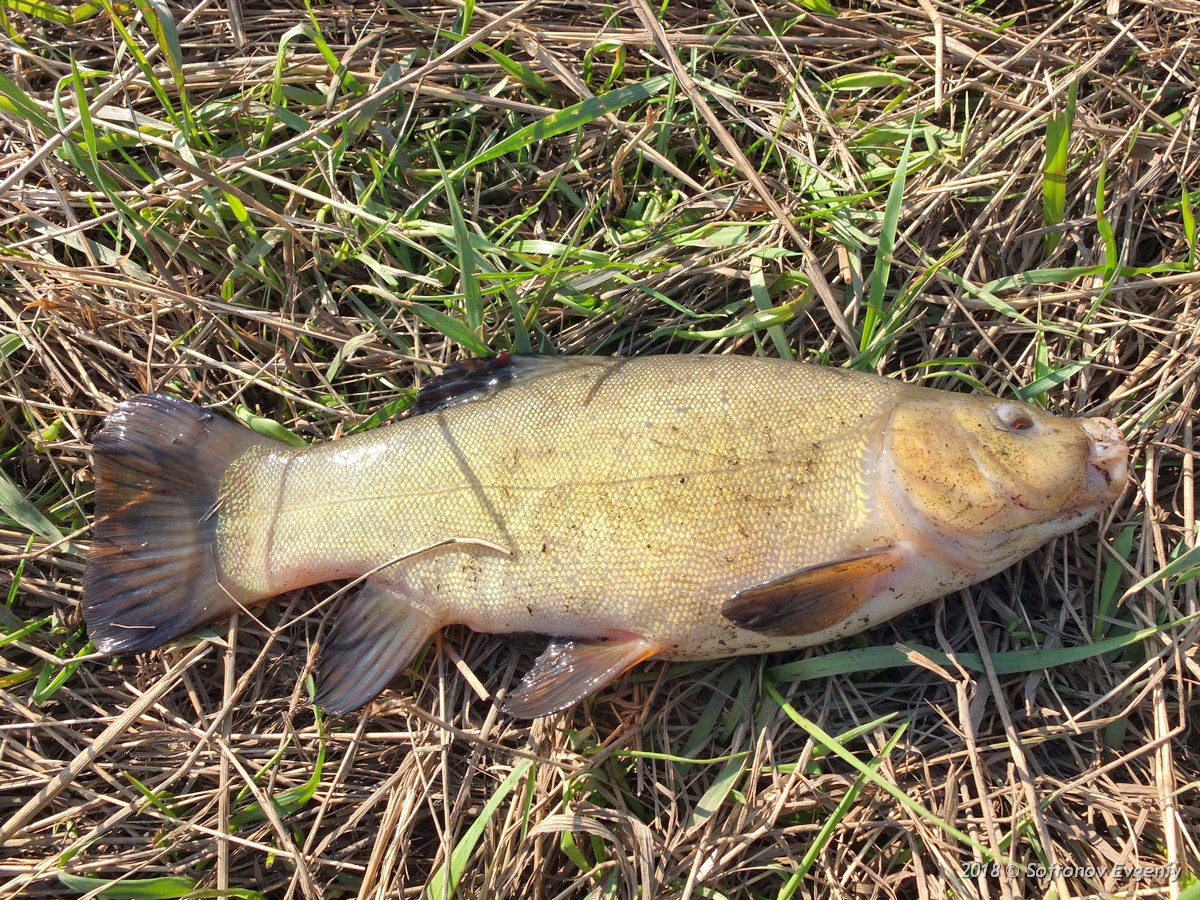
x: 681, y: 507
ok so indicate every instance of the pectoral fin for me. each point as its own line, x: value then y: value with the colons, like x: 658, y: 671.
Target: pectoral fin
x: 813, y: 598
x: 373, y: 639
x: 569, y: 671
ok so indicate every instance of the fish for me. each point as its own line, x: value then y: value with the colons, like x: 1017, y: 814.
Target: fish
x: 674, y: 507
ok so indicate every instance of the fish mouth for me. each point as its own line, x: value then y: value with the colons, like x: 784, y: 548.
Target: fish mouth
x: 1108, y: 461
x: 1107, y: 470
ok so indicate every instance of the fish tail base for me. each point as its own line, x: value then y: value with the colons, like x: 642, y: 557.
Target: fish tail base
x: 153, y: 571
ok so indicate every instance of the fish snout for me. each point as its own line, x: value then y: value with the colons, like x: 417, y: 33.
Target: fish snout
x: 1109, y: 457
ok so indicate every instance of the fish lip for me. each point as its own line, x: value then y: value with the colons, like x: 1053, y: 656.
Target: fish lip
x: 1112, y: 479
x: 1108, y: 458
x: 1106, y: 479
x: 1105, y: 483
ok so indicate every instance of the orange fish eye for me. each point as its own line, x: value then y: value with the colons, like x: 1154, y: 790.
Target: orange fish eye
x: 1014, y: 417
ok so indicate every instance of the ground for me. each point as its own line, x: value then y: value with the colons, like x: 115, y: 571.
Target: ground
x: 299, y: 213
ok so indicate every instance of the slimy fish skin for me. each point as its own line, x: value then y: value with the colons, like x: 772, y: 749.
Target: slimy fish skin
x: 679, y: 507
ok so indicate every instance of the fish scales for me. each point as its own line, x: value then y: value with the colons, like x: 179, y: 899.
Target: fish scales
x: 633, y: 498
x: 683, y: 507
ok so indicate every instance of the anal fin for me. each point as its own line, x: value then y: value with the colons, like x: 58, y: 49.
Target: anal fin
x: 373, y: 640
x: 813, y: 598
x: 568, y: 671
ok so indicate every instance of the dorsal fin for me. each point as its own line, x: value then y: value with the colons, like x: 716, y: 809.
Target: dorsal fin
x: 475, y: 379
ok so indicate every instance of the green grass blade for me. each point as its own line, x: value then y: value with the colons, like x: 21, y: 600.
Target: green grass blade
x: 1042, y: 276
x: 510, y: 66
x: 296, y: 31
x: 862, y: 81
x: 351, y: 84
x: 1036, y: 390
x: 86, y: 126
x: 882, y: 266
x: 445, y: 880
x: 288, y: 801
x: 835, y: 818
x: 680, y: 760
x: 467, y: 263
x: 1189, y: 225
x: 131, y: 888
x: 153, y: 798
x: 162, y: 25
x: 1107, y: 235
x: 568, y: 119
x: 143, y: 63
x: 39, y: 10
x: 763, y: 320
x: 52, y: 677
x: 16, y: 102
x: 1010, y: 662
x: 830, y: 743
x: 163, y: 888
x: 451, y: 328
x: 25, y: 630
x: 708, y: 805
x: 1054, y: 169
x: 1106, y: 605
x: 10, y: 343
x: 762, y: 299
x: 822, y: 7
x: 17, y: 506
x: 85, y: 11
x: 1184, y: 567
x: 268, y: 427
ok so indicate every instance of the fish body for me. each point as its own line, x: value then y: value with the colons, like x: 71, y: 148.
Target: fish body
x: 684, y: 507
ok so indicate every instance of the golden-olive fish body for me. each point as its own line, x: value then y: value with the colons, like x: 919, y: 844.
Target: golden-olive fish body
x: 685, y: 507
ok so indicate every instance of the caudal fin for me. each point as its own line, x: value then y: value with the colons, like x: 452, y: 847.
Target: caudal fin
x: 152, y: 573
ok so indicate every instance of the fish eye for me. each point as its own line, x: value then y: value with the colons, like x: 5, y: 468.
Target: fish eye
x: 1014, y: 417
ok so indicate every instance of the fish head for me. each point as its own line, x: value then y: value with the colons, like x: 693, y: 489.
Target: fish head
x: 1002, y: 473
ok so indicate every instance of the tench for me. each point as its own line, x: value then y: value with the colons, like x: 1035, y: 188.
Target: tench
x: 679, y: 507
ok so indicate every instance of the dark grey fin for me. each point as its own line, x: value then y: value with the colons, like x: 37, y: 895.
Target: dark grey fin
x: 475, y: 379
x: 569, y: 671
x: 814, y: 598
x: 152, y: 569
x: 373, y: 640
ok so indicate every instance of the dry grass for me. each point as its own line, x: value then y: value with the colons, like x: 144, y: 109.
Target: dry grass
x: 271, y: 228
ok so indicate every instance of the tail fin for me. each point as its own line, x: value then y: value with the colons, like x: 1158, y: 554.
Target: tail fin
x: 152, y: 573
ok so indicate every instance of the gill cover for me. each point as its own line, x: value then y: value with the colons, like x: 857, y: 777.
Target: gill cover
x: 979, y: 466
